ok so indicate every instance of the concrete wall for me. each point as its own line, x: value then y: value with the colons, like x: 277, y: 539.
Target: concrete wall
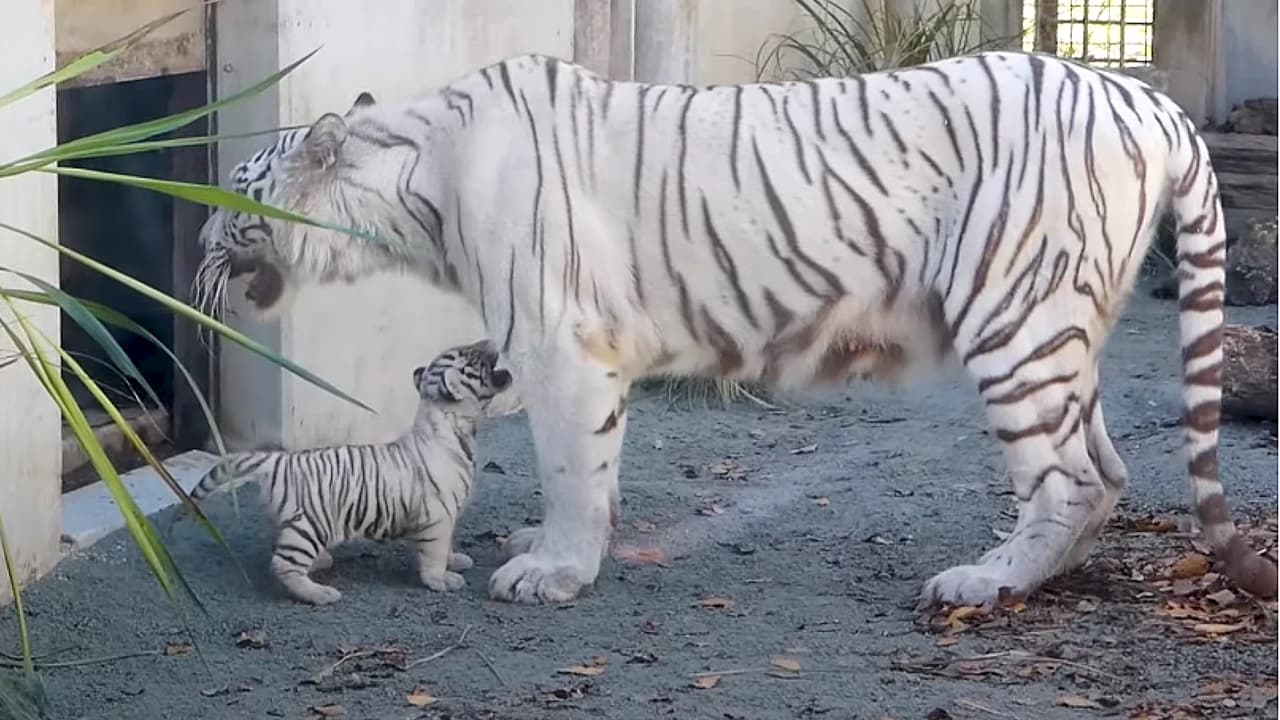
x: 1249, y: 51
x: 365, y: 337
x: 30, y: 428
x: 707, y: 42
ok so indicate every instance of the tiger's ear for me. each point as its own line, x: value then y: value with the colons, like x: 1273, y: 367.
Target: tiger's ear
x: 325, y: 139
x: 363, y: 100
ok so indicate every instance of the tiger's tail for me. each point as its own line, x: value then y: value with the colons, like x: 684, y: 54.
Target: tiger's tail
x: 1201, y: 253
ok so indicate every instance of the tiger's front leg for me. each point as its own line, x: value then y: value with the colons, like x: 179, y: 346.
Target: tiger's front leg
x: 577, y: 415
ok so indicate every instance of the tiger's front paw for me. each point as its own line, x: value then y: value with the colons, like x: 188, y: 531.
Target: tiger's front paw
x: 537, y: 578
x: 521, y: 541
x: 982, y: 585
x: 458, y: 562
x: 446, y: 581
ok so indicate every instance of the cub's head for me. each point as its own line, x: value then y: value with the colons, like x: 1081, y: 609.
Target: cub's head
x: 466, y: 379
x: 342, y: 171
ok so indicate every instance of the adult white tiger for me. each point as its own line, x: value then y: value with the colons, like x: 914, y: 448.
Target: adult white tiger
x: 992, y: 208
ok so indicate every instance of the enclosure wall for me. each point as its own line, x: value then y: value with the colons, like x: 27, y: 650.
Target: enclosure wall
x: 30, y: 427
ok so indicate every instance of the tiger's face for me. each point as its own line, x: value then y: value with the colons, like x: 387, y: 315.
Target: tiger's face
x: 305, y: 171
x: 467, y: 379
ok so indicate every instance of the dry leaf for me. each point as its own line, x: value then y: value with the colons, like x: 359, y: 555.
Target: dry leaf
x: 595, y: 666
x: 822, y: 502
x: 806, y: 450
x: 643, y: 526
x: 947, y: 641
x: 716, y: 602
x: 712, y: 509
x: 584, y: 670
x: 786, y: 663
x: 955, y: 617
x: 1191, y: 565
x: 1075, y: 701
x: 1218, y: 628
x: 706, y: 682
x: 419, y: 698
x: 181, y: 647
x: 330, y: 710
x: 251, y: 639
x: 1222, y: 598
x: 640, y: 556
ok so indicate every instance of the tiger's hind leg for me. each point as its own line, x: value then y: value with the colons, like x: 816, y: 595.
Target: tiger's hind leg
x: 294, y: 557
x: 1114, y: 476
x: 1037, y: 397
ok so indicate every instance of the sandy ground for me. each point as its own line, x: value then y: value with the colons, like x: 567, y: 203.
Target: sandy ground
x: 805, y: 533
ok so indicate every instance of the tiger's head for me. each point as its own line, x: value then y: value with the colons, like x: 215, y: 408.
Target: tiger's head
x: 466, y: 380
x: 344, y: 171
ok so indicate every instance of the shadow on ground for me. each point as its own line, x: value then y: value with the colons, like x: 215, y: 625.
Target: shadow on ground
x: 789, y: 539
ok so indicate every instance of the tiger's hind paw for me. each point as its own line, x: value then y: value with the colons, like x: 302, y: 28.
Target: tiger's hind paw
x: 981, y: 585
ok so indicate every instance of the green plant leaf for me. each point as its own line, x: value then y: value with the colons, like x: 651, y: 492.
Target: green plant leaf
x: 49, y: 376
x: 88, y: 61
x: 180, y: 308
x: 98, y: 152
x: 144, y: 130
x: 95, y: 330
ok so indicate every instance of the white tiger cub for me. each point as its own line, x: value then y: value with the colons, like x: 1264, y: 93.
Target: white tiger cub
x: 411, y: 488
x: 991, y: 209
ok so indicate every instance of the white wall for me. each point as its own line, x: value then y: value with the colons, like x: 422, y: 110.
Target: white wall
x: 366, y: 337
x: 30, y: 427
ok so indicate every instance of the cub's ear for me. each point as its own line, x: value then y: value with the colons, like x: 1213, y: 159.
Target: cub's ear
x: 325, y: 139
x: 363, y: 100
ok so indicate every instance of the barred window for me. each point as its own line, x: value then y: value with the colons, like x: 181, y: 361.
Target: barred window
x: 1111, y: 33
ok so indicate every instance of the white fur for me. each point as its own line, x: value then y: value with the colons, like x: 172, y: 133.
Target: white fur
x: 610, y: 231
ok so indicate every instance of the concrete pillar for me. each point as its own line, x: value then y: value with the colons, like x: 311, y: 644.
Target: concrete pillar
x: 1187, y: 45
x: 30, y: 426
x: 365, y: 337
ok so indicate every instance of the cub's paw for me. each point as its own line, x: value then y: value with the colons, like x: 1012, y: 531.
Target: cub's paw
x: 446, y: 581
x: 980, y: 585
x: 315, y: 594
x: 460, y: 561
x: 521, y: 541
x: 536, y: 578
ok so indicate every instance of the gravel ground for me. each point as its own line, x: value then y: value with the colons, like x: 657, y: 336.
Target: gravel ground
x: 805, y: 533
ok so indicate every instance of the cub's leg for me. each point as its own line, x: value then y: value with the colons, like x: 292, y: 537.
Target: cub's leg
x: 433, y: 544
x: 1037, y: 396
x: 1114, y: 476
x: 577, y: 414
x: 296, y: 555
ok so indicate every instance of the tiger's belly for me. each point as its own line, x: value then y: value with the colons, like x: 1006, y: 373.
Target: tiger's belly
x: 831, y: 343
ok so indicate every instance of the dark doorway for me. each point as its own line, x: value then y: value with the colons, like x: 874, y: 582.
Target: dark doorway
x: 148, y: 236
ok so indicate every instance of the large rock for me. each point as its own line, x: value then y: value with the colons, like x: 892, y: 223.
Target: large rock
x: 1251, y: 265
x: 1249, y: 372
